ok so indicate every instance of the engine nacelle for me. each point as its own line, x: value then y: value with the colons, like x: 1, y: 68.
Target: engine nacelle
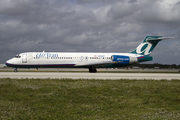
x: 123, y: 59
x: 120, y: 58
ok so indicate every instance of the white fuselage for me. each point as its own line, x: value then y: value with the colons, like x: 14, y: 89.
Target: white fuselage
x: 65, y: 59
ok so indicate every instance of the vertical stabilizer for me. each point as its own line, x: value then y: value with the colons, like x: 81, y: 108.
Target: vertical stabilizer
x: 148, y: 44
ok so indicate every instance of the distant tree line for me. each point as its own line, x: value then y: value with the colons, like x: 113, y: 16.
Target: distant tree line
x: 157, y: 65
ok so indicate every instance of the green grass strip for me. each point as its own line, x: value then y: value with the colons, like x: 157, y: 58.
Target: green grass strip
x: 89, y: 99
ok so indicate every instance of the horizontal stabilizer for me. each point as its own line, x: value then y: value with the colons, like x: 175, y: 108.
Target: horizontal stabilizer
x: 158, y: 39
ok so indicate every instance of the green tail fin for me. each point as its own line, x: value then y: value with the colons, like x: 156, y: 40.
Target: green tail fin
x: 148, y: 45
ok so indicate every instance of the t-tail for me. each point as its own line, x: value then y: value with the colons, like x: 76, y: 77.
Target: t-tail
x: 147, y: 46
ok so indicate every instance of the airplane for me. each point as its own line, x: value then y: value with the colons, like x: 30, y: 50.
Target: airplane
x: 86, y: 60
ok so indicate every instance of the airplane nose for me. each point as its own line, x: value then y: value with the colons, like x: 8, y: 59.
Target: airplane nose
x: 9, y: 62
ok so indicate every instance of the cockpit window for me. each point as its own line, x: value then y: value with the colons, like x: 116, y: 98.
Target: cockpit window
x: 18, y: 56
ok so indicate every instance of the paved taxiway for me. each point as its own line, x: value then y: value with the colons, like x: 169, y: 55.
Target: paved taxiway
x: 99, y: 70
x: 155, y: 76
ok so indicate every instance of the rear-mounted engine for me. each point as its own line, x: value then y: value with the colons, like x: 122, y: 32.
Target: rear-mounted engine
x: 120, y: 59
x: 123, y: 59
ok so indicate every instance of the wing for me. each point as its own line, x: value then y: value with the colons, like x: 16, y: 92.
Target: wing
x: 94, y: 63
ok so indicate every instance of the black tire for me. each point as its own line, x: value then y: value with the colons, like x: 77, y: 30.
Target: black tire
x: 15, y: 70
x: 92, y: 70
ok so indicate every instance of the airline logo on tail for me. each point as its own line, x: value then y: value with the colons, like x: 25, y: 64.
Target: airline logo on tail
x: 144, y: 48
x: 149, y: 43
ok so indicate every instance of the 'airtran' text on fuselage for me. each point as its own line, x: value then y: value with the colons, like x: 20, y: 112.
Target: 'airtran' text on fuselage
x: 46, y: 55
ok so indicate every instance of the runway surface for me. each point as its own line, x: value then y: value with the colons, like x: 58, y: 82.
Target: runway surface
x: 112, y: 76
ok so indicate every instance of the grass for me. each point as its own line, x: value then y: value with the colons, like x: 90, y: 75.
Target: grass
x: 89, y: 99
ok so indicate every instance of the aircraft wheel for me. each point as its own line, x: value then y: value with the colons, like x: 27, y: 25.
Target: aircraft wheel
x: 15, y: 70
x: 92, y: 70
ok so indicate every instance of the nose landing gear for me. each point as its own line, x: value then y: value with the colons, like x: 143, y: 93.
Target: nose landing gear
x: 15, y: 70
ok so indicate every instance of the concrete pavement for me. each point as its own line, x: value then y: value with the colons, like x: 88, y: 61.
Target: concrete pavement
x: 104, y: 76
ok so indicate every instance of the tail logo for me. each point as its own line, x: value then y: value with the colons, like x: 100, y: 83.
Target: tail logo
x: 148, y: 44
x: 144, y: 48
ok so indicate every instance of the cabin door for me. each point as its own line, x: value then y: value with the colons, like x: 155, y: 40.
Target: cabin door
x: 24, y: 58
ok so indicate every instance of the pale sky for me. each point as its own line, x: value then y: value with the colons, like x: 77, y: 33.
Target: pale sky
x: 89, y: 26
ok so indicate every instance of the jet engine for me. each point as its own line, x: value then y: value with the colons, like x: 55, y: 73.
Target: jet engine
x: 123, y: 59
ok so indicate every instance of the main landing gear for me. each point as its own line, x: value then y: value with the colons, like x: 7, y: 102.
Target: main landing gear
x: 15, y: 70
x: 92, y: 70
